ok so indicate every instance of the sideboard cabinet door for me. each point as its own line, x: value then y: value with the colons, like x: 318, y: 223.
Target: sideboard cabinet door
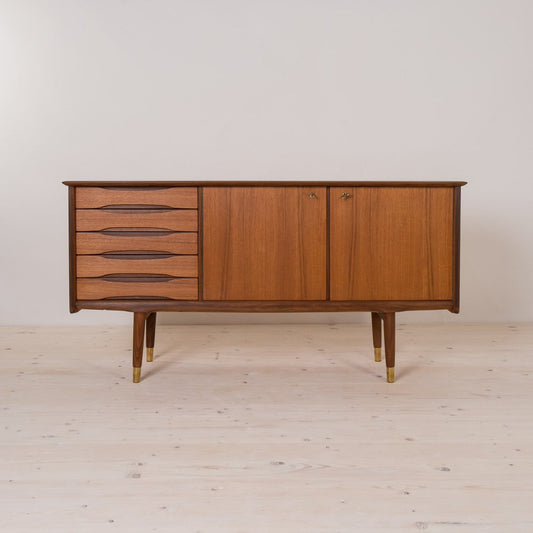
x: 264, y: 243
x: 391, y: 243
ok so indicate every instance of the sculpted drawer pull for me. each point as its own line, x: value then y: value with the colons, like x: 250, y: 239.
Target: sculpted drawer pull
x: 136, y: 208
x: 137, y: 232
x: 137, y: 298
x: 135, y: 189
x: 345, y: 196
x: 137, y: 255
x: 137, y: 278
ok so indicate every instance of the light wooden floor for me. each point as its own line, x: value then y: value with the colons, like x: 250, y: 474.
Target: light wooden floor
x: 267, y: 429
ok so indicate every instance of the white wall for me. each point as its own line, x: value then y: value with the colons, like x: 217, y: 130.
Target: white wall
x: 331, y: 89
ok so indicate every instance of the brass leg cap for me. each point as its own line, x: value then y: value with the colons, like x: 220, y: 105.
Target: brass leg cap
x: 150, y: 354
x: 390, y: 374
x: 136, y: 374
x: 377, y: 355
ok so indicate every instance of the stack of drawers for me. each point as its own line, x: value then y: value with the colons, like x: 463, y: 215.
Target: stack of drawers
x: 137, y: 243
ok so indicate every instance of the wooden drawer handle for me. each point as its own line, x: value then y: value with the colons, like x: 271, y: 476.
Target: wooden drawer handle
x: 136, y: 188
x: 137, y: 298
x: 137, y: 232
x: 136, y: 208
x: 137, y: 254
x: 137, y: 278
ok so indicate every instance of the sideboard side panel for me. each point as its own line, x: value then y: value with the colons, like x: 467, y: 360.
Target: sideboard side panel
x: 456, y: 248
x: 72, y: 248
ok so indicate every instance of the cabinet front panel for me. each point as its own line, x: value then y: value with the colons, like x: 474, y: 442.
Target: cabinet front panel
x: 264, y: 243
x: 173, y: 289
x: 91, y: 266
x: 101, y: 219
x: 391, y: 243
x: 102, y: 242
x: 93, y: 197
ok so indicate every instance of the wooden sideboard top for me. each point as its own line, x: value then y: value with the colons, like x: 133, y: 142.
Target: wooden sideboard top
x: 259, y: 183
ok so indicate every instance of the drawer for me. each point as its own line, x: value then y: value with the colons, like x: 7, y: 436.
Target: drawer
x: 157, y: 287
x: 181, y: 197
x: 101, y: 219
x: 91, y: 266
x: 150, y: 241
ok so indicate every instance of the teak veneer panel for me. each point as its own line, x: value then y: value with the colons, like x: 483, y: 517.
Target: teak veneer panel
x: 99, y: 243
x: 176, y: 289
x: 99, y: 219
x: 185, y: 266
x: 391, y: 243
x: 92, y: 197
x: 264, y: 243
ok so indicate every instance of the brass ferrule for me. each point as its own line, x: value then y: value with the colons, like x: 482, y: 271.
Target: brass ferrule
x: 150, y: 354
x: 390, y: 374
x: 136, y: 374
x: 377, y: 355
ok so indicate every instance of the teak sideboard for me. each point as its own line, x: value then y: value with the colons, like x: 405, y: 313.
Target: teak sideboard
x: 150, y: 246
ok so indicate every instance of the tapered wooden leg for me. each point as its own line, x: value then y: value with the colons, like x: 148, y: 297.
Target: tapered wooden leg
x: 389, y: 320
x: 139, y: 320
x: 150, y: 336
x: 376, y: 336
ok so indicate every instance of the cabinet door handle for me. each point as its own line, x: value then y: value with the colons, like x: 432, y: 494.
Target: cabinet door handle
x: 345, y: 196
x: 312, y: 195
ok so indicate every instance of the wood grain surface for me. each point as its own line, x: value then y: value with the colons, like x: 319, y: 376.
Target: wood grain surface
x: 99, y: 243
x: 456, y: 248
x: 267, y: 306
x: 264, y: 243
x: 185, y: 266
x: 175, y: 289
x: 391, y: 243
x: 175, y: 219
x: 139, y: 323
x: 91, y: 197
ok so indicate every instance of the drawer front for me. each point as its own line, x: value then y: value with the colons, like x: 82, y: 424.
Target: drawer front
x: 100, y: 219
x: 102, y: 242
x: 91, y: 266
x: 137, y: 242
x: 178, y: 197
x: 174, y: 289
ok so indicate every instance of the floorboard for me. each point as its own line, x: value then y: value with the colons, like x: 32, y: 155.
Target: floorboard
x: 267, y: 428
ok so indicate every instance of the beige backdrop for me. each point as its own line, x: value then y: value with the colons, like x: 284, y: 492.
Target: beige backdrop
x: 170, y: 89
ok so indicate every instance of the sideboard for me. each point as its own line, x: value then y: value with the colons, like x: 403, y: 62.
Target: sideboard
x: 152, y: 246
